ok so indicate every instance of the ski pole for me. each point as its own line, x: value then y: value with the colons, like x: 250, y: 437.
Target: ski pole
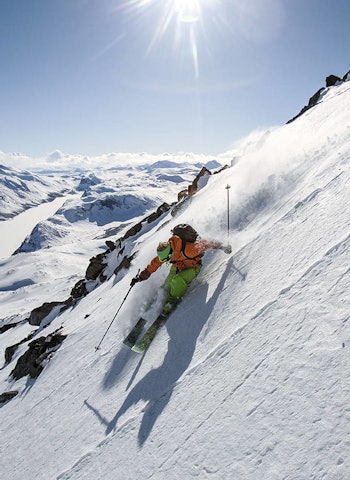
x: 228, y: 212
x: 109, y: 326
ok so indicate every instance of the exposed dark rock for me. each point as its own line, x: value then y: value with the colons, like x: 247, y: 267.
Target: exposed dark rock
x: 125, y: 263
x: 312, y: 102
x: 315, y: 98
x: 199, y: 181
x: 96, y: 266
x: 332, y: 80
x: 182, y: 194
x: 180, y: 205
x: 102, y: 277
x: 133, y: 231
x: 67, y: 304
x: 225, y: 167
x: 111, y: 245
x: 10, y: 351
x: 4, y: 328
x: 6, y: 396
x: 346, y: 76
x: 31, y: 362
x: 39, y: 313
x: 79, y: 290
x: 158, y: 213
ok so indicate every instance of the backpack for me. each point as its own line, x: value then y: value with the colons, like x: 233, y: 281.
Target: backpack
x: 185, y: 232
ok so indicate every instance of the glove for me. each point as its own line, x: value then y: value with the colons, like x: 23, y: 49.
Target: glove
x: 140, y: 277
x: 227, y: 249
x: 134, y: 281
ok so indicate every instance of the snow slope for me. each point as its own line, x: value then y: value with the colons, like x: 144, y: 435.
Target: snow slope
x: 249, y: 379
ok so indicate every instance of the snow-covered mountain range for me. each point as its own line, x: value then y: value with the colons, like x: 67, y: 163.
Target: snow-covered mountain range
x: 21, y: 190
x: 248, y: 380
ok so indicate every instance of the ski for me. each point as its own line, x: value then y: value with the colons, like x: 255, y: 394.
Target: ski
x: 131, y: 339
x: 145, y: 341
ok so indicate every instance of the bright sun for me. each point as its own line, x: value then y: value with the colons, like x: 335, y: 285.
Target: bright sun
x: 184, y: 17
x: 187, y: 10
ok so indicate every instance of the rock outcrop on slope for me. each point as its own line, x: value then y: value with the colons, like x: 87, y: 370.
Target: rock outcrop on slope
x: 331, y: 80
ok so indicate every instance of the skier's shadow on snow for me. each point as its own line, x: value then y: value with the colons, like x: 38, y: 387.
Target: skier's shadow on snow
x: 157, y: 386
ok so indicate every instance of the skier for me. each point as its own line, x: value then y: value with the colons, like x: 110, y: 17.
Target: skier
x: 184, y: 251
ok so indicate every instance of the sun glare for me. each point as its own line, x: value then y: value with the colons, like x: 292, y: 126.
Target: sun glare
x: 186, y: 18
x: 187, y: 10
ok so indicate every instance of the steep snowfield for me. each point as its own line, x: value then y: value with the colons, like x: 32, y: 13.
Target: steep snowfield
x: 249, y: 380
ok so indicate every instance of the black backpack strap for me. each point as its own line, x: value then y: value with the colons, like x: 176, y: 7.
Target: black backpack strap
x: 184, y: 254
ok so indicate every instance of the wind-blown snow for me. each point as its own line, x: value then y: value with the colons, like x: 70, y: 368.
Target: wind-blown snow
x: 249, y: 380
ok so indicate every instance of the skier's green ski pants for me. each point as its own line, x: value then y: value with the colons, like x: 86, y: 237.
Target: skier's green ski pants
x: 178, y: 281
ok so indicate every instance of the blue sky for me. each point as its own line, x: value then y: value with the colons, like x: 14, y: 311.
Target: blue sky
x: 96, y: 76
